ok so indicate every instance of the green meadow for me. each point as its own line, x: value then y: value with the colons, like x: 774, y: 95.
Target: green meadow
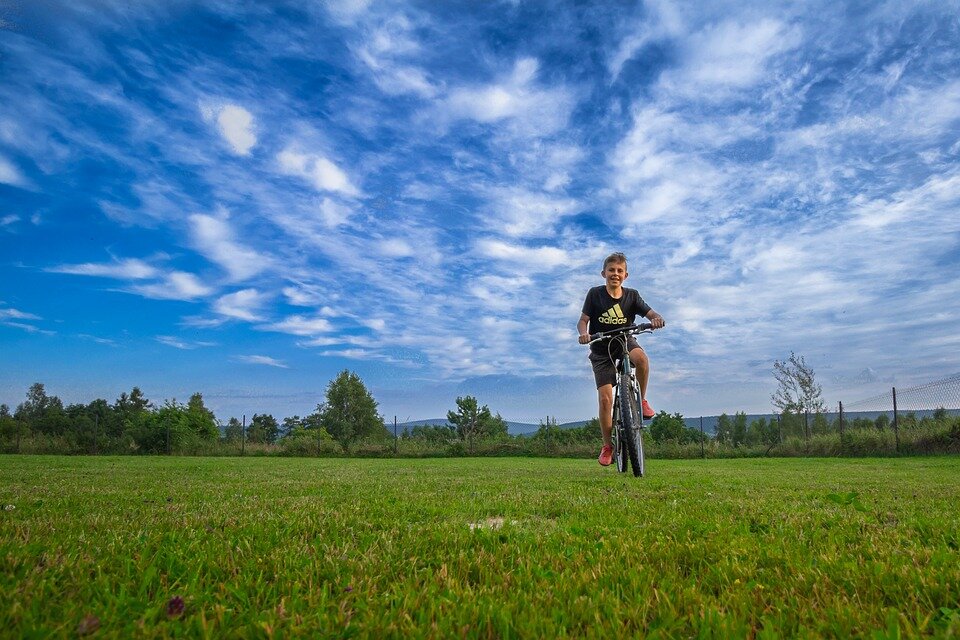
x: 493, y: 547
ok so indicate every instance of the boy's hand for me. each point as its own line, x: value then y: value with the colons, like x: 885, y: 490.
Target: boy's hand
x: 584, y: 338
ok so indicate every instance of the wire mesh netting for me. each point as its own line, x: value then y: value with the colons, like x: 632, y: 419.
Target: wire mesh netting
x: 939, y: 394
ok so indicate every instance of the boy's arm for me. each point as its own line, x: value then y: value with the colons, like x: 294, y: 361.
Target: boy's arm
x: 655, y: 319
x: 583, y: 328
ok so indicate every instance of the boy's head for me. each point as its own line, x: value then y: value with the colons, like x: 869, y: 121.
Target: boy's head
x: 615, y: 257
x: 615, y: 269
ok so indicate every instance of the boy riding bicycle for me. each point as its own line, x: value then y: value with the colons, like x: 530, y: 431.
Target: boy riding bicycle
x: 607, y: 307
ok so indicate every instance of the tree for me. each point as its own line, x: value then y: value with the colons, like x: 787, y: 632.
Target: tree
x: 739, y: 428
x: 234, y: 430
x: 349, y: 412
x: 291, y: 424
x: 471, y: 420
x: 724, y: 433
x: 263, y: 429
x: 797, y: 388
x: 666, y: 427
x: 201, y: 420
x: 41, y: 412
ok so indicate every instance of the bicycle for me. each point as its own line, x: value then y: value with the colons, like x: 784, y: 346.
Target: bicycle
x: 628, y: 425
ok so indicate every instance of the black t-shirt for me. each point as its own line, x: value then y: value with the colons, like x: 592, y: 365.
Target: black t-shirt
x: 606, y: 312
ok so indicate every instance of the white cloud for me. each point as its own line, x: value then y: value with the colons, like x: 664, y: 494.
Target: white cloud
x: 333, y: 213
x: 179, y: 343
x: 522, y: 213
x: 213, y: 237
x: 302, y: 294
x: 234, y: 123
x: 10, y: 174
x: 8, y: 220
x: 729, y: 55
x: 14, y: 314
x: 299, y: 325
x: 242, y: 305
x: 265, y: 360
x: 535, y: 111
x: 236, y: 126
x: 395, y: 248
x: 127, y: 269
x: 318, y: 170
x: 176, y: 285
x: 537, y: 257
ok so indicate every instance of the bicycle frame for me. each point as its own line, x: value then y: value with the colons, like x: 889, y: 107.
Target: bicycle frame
x: 627, y: 429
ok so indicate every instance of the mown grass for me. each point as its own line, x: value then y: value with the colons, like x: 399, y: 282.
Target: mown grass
x: 499, y: 547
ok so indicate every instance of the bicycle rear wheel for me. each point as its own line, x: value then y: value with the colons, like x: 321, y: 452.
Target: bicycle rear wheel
x: 630, y: 415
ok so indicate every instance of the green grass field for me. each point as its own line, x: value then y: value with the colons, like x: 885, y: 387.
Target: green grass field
x: 503, y: 547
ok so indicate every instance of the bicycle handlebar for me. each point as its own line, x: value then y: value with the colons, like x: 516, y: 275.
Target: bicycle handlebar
x: 630, y: 328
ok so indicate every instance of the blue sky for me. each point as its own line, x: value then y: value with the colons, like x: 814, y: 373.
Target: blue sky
x: 243, y: 199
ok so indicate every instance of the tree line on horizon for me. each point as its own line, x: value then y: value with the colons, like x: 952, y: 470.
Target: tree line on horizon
x: 348, y: 416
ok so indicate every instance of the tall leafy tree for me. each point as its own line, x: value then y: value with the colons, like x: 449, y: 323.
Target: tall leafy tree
x: 797, y: 388
x: 349, y: 412
x: 739, y: 428
x: 233, y: 431
x: 263, y: 429
x: 42, y: 412
x: 724, y: 433
x: 474, y: 421
x: 665, y: 427
x: 201, y: 420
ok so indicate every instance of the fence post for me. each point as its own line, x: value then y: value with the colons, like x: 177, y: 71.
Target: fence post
x: 806, y: 427
x: 243, y: 435
x: 841, y: 423
x: 896, y: 430
x: 19, y: 433
x: 396, y: 438
x: 702, y: 452
x: 167, y: 421
x: 96, y: 427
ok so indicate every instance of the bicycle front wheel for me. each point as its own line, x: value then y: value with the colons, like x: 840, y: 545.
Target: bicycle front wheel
x: 630, y: 415
x: 619, y: 442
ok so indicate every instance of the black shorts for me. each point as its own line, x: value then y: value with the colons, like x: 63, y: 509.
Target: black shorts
x: 605, y: 369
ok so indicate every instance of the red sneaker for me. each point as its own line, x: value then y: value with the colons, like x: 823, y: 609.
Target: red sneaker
x: 647, y: 411
x: 606, y: 455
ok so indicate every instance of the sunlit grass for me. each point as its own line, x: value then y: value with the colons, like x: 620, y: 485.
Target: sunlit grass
x: 499, y: 547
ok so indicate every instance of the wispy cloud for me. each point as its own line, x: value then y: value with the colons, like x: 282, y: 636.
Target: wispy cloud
x: 176, y: 285
x: 10, y: 174
x: 186, y: 345
x: 265, y: 360
x: 126, y: 269
x: 299, y: 325
x: 16, y: 314
x: 245, y: 304
x: 214, y: 238
x: 317, y: 170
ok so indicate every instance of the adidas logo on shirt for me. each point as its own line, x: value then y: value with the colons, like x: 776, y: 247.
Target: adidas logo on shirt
x: 613, y: 315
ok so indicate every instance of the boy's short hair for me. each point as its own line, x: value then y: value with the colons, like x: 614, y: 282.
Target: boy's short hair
x: 615, y: 257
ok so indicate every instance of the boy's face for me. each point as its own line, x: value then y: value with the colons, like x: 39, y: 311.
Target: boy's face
x: 615, y: 273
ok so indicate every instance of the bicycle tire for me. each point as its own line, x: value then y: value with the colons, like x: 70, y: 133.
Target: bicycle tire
x: 630, y: 415
x: 619, y: 445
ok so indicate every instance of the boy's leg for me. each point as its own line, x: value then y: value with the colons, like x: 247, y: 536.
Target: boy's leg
x: 605, y: 396
x: 641, y: 364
